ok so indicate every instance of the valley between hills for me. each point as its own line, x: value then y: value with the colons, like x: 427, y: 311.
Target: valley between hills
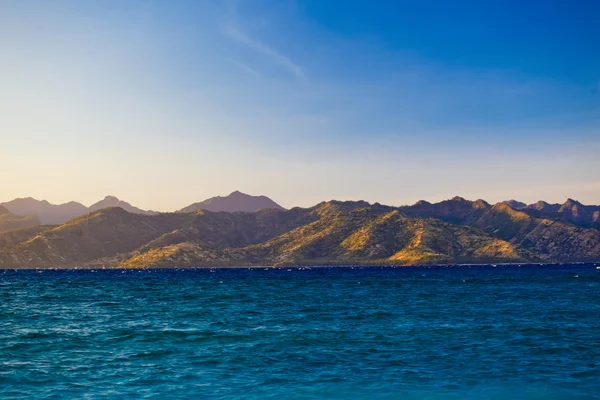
x: 243, y: 230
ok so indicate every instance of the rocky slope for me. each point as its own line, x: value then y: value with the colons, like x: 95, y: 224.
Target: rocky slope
x: 549, y: 239
x: 570, y: 211
x: 344, y: 233
x: 99, y: 237
x: 16, y: 236
x: 377, y: 233
x: 579, y: 214
x: 9, y: 221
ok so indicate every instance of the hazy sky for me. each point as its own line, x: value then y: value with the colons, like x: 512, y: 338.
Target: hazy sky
x: 164, y: 103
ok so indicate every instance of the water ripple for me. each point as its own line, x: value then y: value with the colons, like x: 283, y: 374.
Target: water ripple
x: 334, y: 333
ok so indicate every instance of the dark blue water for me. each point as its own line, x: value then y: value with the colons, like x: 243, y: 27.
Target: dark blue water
x: 380, y: 333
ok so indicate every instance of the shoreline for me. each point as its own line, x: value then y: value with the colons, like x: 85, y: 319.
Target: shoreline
x: 309, y: 266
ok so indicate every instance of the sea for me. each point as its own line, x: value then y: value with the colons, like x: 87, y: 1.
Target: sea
x: 463, y: 332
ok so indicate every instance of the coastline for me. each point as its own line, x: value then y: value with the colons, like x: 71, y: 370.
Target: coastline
x: 312, y: 266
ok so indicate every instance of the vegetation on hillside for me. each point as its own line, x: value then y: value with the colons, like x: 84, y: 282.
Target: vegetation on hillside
x: 334, y: 232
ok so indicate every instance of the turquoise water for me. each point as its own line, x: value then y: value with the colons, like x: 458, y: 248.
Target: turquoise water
x: 331, y: 333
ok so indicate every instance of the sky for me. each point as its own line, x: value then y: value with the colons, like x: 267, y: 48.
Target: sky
x: 163, y: 103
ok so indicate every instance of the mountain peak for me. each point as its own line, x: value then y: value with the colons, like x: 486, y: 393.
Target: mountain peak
x: 236, y: 201
x: 570, y: 203
x: 422, y: 203
x: 112, y: 201
x: 544, y: 206
x: 480, y: 203
x: 515, y: 204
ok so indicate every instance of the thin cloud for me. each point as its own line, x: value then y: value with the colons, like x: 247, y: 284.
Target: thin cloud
x: 236, y: 34
x: 246, y: 68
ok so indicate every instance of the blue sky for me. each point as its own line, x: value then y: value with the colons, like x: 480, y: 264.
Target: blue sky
x: 163, y: 103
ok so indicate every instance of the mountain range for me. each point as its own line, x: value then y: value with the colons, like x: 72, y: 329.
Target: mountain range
x: 48, y: 213
x: 570, y: 211
x: 334, y: 232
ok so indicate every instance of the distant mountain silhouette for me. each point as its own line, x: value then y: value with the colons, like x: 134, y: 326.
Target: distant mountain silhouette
x: 111, y: 201
x: 60, y: 213
x: 236, y: 201
x: 46, y: 212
